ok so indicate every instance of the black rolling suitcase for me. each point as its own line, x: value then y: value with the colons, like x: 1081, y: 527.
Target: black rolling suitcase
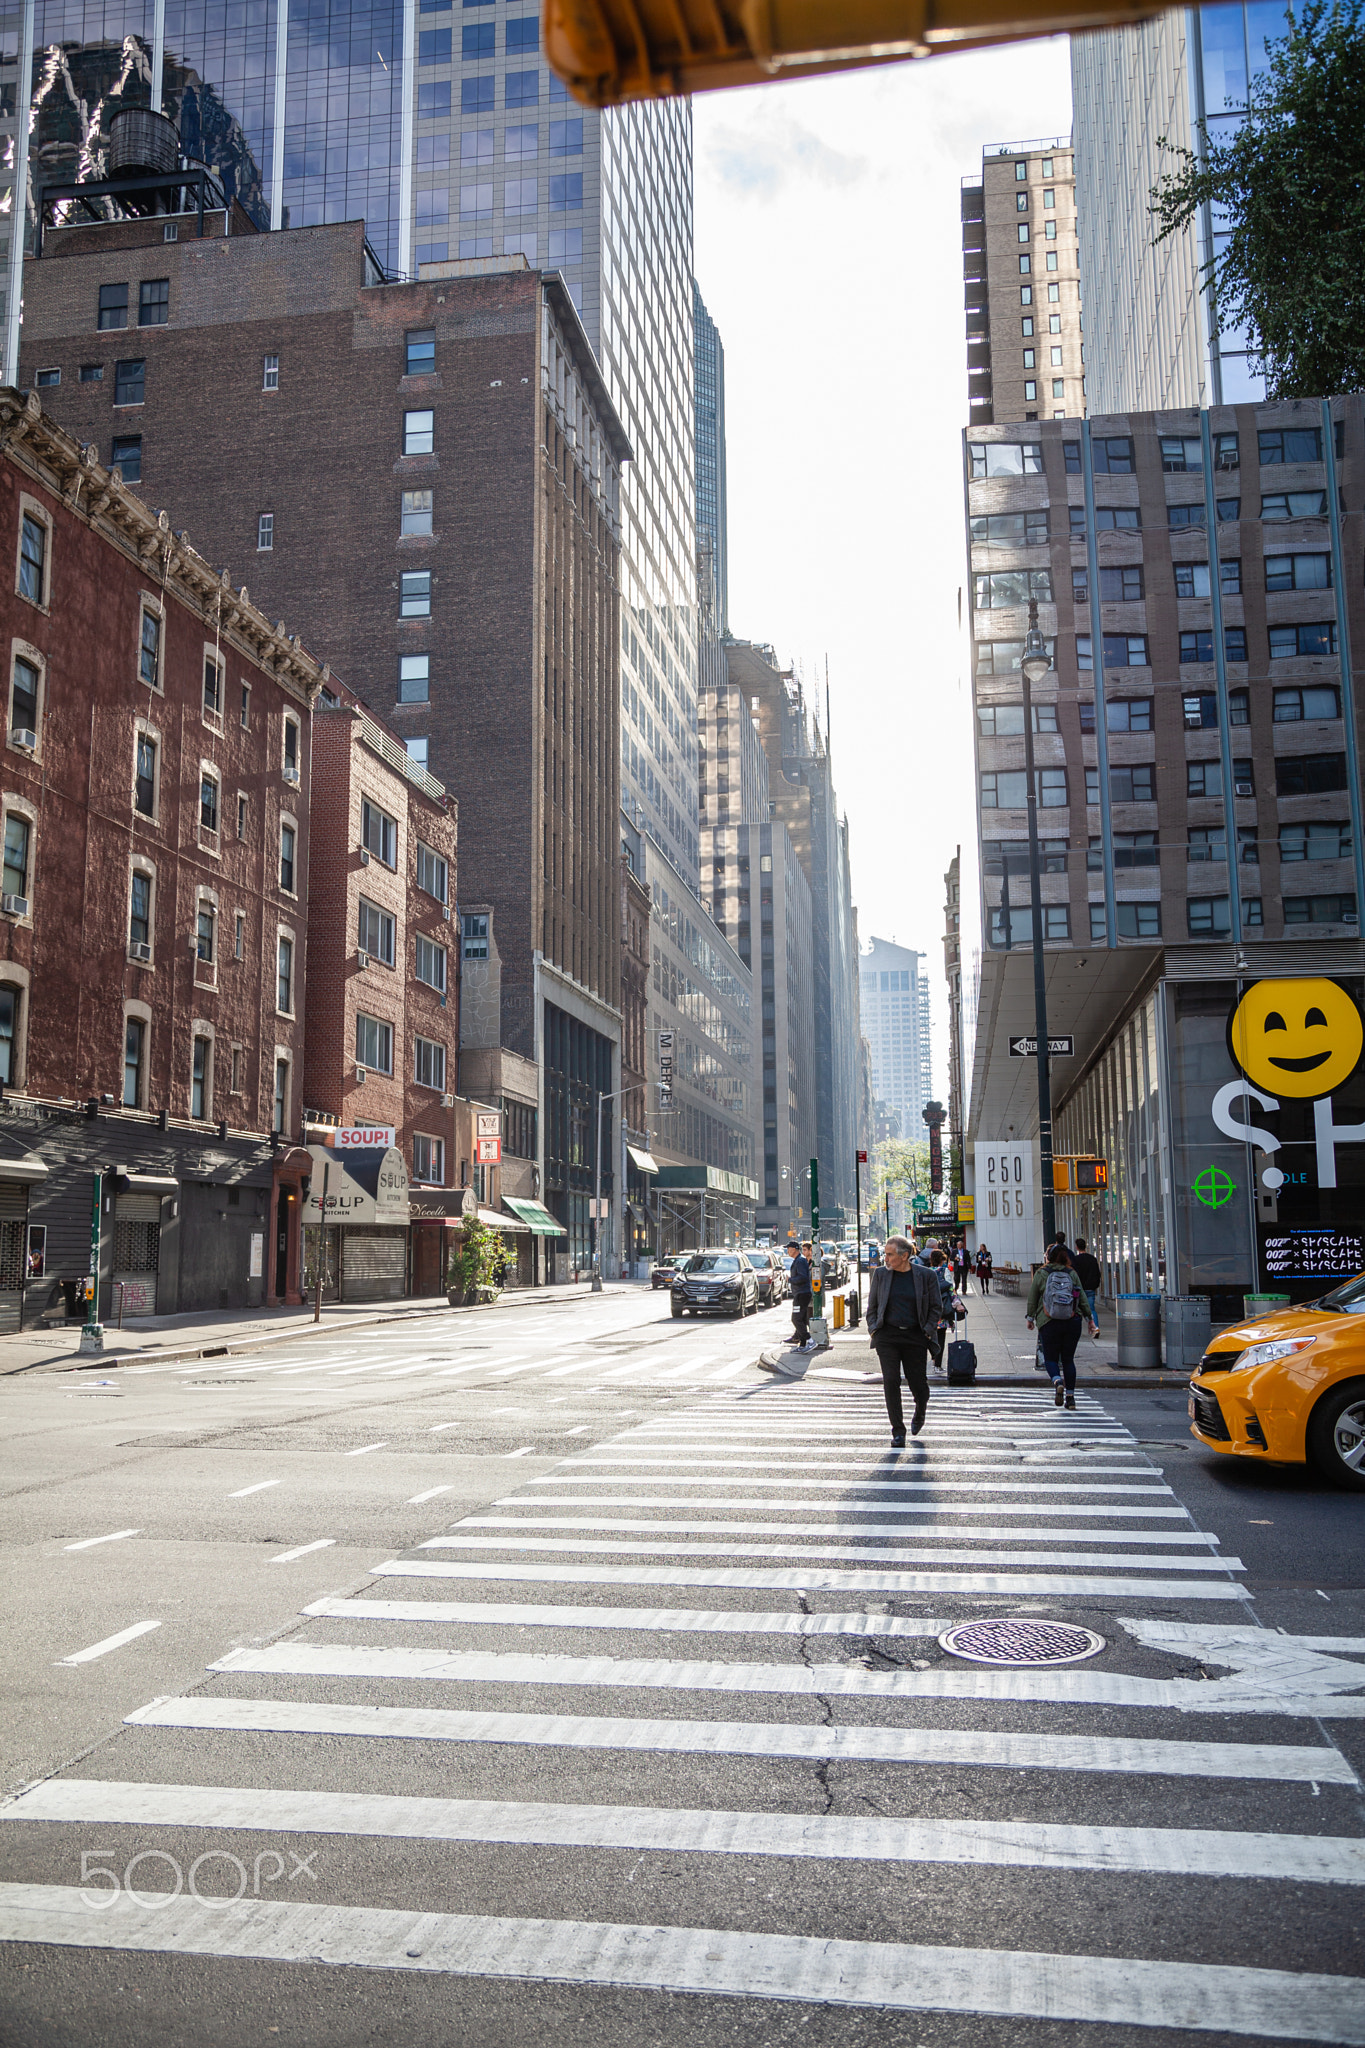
x: 961, y: 1362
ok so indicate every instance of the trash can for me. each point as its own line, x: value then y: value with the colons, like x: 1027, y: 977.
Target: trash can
x: 1139, y: 1331
x: 1254, y: 1305
x: 1188, y: 1329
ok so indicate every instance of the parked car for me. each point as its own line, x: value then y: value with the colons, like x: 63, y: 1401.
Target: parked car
x: 770, y: 1275
x: 662, y: 1271
x: 836, y: 1265
x: 715, y: 1283
x: 1289, y: 1388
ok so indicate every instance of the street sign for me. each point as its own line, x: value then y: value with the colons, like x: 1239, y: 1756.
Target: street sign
x: 1062, y: 1046
x: 488, y: 1151
x: 488, y: 1123
x: 665, y: 1068
x: 919, y: 1203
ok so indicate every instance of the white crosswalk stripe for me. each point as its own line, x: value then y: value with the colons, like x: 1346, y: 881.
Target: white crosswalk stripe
x: 789, y: 1496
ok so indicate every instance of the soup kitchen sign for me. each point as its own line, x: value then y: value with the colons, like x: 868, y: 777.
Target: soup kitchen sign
x: 365, y: 1183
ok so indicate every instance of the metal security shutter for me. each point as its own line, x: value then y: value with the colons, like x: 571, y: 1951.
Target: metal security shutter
x: 373, y: 1264
x: 137, y: 1252
x: 13, y: 1219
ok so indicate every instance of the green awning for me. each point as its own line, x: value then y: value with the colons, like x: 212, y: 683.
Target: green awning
x: 541, y: 1222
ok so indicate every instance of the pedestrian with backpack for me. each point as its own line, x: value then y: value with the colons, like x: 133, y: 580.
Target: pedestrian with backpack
x: 1059, y: 1305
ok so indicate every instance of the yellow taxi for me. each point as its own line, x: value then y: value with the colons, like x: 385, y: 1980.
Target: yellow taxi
x: 1289, y: 1388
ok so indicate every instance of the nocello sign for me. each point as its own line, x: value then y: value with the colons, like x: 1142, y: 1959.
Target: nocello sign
x: 1298, y: 1041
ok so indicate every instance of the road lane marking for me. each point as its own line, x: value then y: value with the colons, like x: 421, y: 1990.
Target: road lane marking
x: 941, y: 1489
x: 1009, y: 1844
x: 260, y: 1487
x: 437, y: 1427
x: 114, y: 1536
x: 102, y: 1649
x: 1129, y: 1991
x: 841, y: 1509
x: 879, y: 1554
x: 304, y: 1550
x: 809, y: 1578
x: 361, y: 1449
x: 415, y: 1499
x: 526, y: 1451
x: 724, y: 1620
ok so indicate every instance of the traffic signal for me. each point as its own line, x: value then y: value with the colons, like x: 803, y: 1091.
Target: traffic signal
x: 1091, y: 1175
x: 607, y: 51
x: 1061, y: 1176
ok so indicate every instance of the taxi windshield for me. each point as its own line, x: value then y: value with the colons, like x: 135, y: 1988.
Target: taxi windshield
x: 1348, y: 1300
x: 713, y: 1262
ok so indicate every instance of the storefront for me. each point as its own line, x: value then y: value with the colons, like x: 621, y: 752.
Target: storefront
x: 546, y: 1232
x: 139, y: 1199
x: 21, y: 1249
x: 438, y: 1218
x: 1232, y: 1115
x: 363, y: 1197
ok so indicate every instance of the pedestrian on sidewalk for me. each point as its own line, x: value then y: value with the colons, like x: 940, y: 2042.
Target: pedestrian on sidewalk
x: 1087, y: 1269
x: 1059, y: 1305
x: 800, y: 1278
x: 985, y: 1266
x: 903, y: 1310
x: 934, y: 1260
x: 961, y: 1266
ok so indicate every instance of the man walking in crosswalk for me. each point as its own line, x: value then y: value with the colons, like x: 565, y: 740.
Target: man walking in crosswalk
x: 903, y: 1310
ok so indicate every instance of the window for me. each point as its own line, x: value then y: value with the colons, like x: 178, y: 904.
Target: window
x: 1030, y: 391
x: 1006, y: 789
x: 134, y: 1041
x: 1108, y: 518
x: 1198, y: 646
x: 154, y: 302
x: 414, y: 600
x: 1298, y: 572
x: 1201, y: 709
x: 1291, y: 705
x: 418, y: 432
x: 1192, y: 578
x: 125, y: 455
x: 1181, y: 452
x: 213, y: 688
x: 1050, y: 230
x: 270, y: 373
x: 566, y: 138
x: 433, y: 873
x: 1294, y: 505
x: 130, y: 382
x: 113, y: 305
x: 1131, y: 850
x: 1006, y: 721
x: 1121, y: 714
x: 566, y: 245
x: 420, y: 357
x: 288, y: 842
x: 1205, y: 778
x: 18, y: 834
x: 1121, y: 650
x: 1021, y: 202
x: 1026, y: 294
x: 373, y: 1043
x: 280, y: 1110
x: 201, y: 1087
x: 1003, y: 587
x: 1303, y: 640
x: 417, y: 512
x: 522, y: 89
x: 414, y: 678
x: 1302, y: 774
x: 1290, y: 444
x: 433, y: 101
x: 1026, y: 329
x: 429, y: 1066
x: 429, y: 1154
x: 284, y: 977
x: 1208, y: 917
x: 1209, y: 843
x: 25, y: 684
x: 239, y: 938
x: 1132, y: 920
x: 140, y: 909
x: 1317, y: 839
x: 1058, y: 387
x: 144, y: 785
x: 1117, y: 586
x: 1056, y: 923
x: 92, y: 373
x: 375, y: 932
x: 566, y: 192
x: 429, y: 962
x: 1002, y: 657
x: 1011, y: 529
x: 205, y: 933
x: 1052, y: 259
x: 1112, y: 453
x: 1025, y: 265
x: 433, y: 44
x: 1057, y: 362
x: 246, y: 707
x: 1321, y: 909
x: 1132, y: 784
x: 241, y: 816
x: 474, y: 935
x: 379, y: 833
x: 208, y: 803
x: 1006, y: 458
x: 523, y: 34
x: 33, y: 558
x: 291, y: 750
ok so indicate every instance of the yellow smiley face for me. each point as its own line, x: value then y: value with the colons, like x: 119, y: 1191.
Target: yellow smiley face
x: 1299, y: 1038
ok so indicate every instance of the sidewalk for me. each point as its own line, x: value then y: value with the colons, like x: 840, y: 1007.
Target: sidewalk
x: 212, y: 1335
x: 1005, y: 1350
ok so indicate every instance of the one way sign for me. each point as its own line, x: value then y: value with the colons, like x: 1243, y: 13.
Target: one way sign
x: 1062, y: 1047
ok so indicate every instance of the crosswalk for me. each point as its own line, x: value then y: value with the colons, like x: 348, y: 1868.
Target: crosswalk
x: 775, y: 1710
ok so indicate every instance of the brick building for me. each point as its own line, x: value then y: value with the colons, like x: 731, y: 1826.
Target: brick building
x: 1022, y: 283
x: 156, y: 859
x: 427, y: 476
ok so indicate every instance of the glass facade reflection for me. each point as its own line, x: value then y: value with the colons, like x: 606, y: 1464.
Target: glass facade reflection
x: 344, y: 117
x: 1227, y: 51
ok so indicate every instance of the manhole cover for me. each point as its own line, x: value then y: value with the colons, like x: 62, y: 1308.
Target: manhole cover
x: 1021, y: 1642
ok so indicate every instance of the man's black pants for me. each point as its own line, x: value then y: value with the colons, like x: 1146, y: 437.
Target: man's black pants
x: 801, y: 1307
x: 897, y: 1353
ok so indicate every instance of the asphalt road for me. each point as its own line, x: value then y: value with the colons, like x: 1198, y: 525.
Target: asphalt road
x: 552, y: 1672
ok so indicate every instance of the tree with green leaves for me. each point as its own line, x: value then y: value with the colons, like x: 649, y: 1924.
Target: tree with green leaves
x: 1287, y: 193
x: 474, y: 1262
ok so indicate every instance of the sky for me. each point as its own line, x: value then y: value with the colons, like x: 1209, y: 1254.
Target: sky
x: 829, y: 252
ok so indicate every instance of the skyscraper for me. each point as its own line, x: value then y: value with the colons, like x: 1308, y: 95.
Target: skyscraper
x: 895, y: 1019
x: 1022, y: 288
x: 1148, y: 344
x: 709, y: 356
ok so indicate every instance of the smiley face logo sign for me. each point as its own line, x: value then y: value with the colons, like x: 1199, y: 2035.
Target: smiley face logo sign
x: 1297, y: 1038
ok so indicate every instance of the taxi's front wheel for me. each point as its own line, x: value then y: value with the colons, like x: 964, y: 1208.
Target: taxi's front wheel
x: 1336, y: 1435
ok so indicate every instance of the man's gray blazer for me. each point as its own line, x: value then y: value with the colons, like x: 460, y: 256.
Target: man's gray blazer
x: 928, y: 1301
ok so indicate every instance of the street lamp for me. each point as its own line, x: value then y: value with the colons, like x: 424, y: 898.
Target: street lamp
x: 1034, y: 664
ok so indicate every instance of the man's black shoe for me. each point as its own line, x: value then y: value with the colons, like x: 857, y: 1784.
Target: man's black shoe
x: 898, y: 1439
x: 917, y: 1422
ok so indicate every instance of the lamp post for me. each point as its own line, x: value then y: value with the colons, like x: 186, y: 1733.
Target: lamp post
x: 614, y: 1096
x: 1033, y: 666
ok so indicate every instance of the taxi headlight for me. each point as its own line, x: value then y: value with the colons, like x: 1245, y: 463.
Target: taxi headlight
x: 1264, y: 1354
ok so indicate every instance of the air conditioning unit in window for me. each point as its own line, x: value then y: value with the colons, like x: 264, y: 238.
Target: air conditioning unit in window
x: 21, y: 737
x: 14, y: 906
x: 139, y: 950
x: 362, y: 960
x: 364, y: 856
x: 290, y: 774
x: 360, y: 1073
x: 447, y: 1102
x: 1243, y: 789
